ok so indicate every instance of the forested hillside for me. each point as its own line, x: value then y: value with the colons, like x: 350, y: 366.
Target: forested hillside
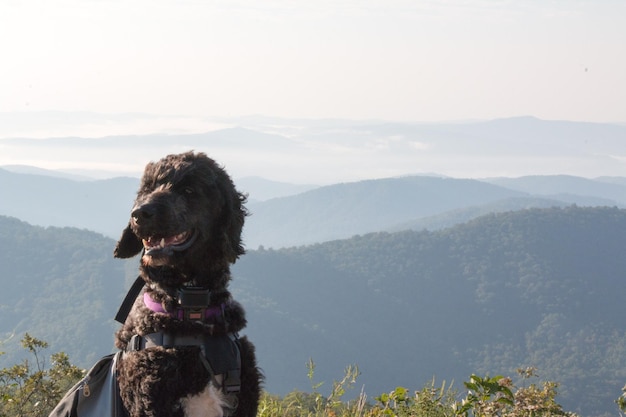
x: 61, y: 284
x: 530, y: 288
x: 539, y: 287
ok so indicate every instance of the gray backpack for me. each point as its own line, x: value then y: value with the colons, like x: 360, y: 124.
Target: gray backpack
x: 97, y: 394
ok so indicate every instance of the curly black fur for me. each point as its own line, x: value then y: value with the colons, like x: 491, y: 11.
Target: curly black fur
x: 182, y: 197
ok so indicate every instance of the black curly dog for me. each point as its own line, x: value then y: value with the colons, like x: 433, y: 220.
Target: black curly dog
x: 183, y: 357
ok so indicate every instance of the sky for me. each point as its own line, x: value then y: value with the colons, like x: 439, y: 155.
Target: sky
x: 94, y: 68
x: 400, y: 60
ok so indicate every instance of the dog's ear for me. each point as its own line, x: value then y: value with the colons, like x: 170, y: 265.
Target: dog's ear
x: 129, y: 244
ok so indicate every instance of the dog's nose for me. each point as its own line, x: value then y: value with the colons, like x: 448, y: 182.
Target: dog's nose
x: 143, y: 213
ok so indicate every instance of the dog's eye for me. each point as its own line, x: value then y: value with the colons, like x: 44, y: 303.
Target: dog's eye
x: 189, y: 190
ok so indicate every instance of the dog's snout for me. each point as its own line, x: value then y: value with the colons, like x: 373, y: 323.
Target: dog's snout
x: 143, y: 213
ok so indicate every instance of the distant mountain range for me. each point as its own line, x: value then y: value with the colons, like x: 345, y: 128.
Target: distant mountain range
x: 284, y: 214
x: 330, y: 151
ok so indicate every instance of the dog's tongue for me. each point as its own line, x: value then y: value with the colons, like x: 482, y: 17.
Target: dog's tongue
x: 162, y: 242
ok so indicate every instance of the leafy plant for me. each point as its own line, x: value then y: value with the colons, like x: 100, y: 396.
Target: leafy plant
x: 429, y: 402
x: 314, y: 404
x: 621, y: 401
x: 29, y: 389
x: 498, y: 397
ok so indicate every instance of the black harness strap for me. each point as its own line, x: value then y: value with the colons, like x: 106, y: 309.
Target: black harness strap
x: 129, y: 300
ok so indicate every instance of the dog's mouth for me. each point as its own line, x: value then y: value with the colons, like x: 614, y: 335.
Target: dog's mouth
x: 167, y: 245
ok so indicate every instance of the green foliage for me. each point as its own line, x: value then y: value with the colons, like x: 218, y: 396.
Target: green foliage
x: 621, y: 401
x: 498, y: 397
x: 28, y: 389
x: 314, y: 404
x: 429, y: 402
x: 487, y: 397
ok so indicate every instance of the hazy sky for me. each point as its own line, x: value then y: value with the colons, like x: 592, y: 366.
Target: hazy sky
x: 385, y: 59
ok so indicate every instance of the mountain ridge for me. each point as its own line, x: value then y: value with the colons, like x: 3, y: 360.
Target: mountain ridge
x: 286, y: 215
x: 326, y: 152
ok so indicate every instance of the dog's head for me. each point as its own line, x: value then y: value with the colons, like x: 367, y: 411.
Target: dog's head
x: 187, y: 216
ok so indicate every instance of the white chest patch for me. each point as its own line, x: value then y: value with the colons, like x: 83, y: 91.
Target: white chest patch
x: 208, y: 403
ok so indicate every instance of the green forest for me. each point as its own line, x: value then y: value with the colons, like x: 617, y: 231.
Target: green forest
x: 537, y: 289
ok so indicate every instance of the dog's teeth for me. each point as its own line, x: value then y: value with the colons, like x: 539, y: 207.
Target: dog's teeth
x: 163, y: 242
